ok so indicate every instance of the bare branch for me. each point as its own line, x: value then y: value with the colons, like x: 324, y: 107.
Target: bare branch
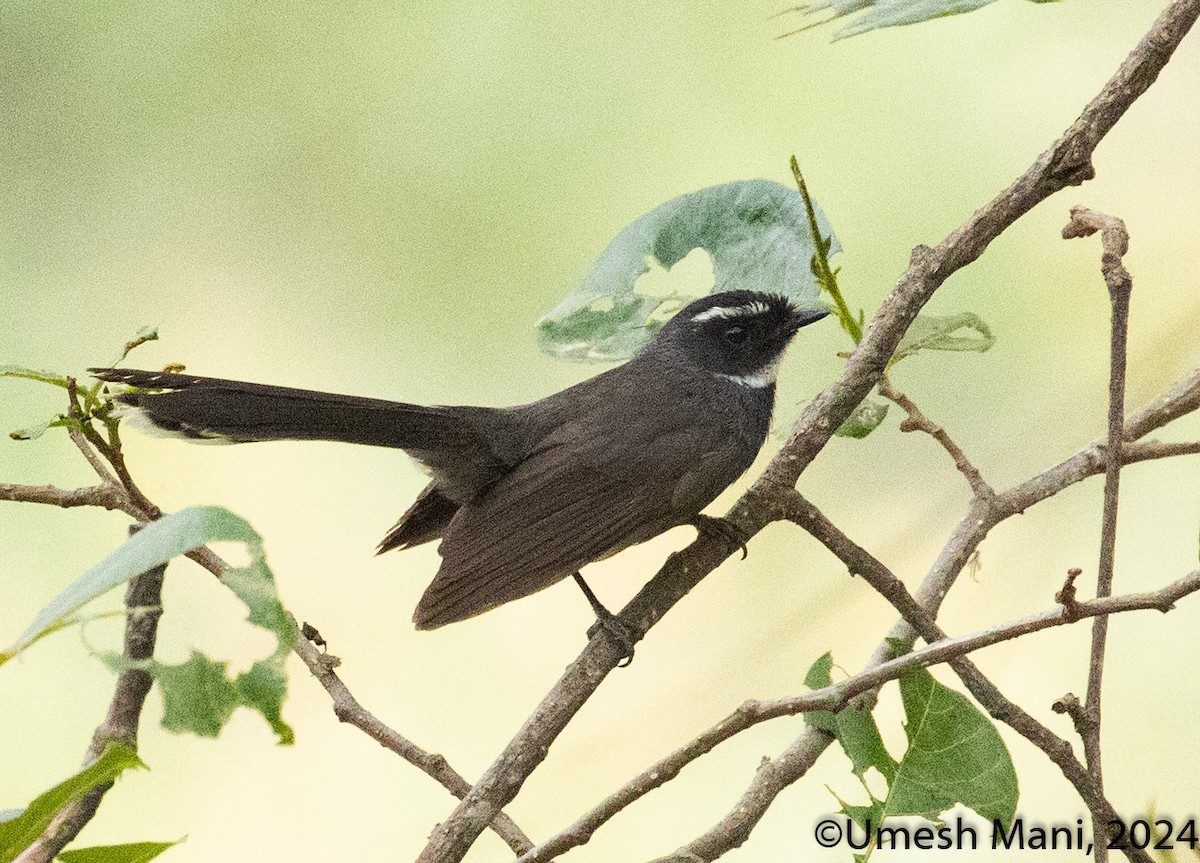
x: 1180, y: 400
x: 348, y: 709
x: 1067, y: 162
x: 108, y: 497
x: 917, y: 421
x: 1115, y: 240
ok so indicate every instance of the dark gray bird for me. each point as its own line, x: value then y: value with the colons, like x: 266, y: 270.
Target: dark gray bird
x: 523, y: 497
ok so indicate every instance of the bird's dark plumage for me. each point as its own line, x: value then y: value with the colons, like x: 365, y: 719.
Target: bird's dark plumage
x: 523, y: 497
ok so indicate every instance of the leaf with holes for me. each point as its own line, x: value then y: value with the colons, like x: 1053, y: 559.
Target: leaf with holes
x: 756, y: 232
x: 262, y: 688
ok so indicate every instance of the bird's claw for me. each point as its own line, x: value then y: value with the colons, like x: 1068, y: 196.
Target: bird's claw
x: 622, y: 634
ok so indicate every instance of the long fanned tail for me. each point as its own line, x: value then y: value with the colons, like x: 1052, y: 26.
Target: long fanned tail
x: 238, y: 412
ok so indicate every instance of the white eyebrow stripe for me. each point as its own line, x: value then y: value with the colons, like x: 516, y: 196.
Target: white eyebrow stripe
x: 754, y: 308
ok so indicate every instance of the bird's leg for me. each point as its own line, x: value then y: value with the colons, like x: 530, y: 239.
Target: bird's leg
x: 620, y: 631
x: 707, y: 525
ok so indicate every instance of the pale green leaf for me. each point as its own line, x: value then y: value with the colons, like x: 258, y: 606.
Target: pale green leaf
x: 35, y: 431
x: 145, y: 334
x: 11, y: 371
x: 155, y: 544
x: 132, y: 852
x: 756, y: 232
x: 865, y: 419
x: 965, y: 331
x: 16, y: 833
x: 890, y: 13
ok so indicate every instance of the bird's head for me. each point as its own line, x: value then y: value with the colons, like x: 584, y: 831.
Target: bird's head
x: 737, y: 335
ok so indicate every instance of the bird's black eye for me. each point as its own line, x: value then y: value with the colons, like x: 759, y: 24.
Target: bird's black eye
x: 735, y: 335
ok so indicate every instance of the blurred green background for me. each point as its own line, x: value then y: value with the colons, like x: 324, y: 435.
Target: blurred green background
x: 381, y: 198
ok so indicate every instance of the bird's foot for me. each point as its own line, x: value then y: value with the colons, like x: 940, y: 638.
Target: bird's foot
x: 707, y: 525
x: 622, y: 634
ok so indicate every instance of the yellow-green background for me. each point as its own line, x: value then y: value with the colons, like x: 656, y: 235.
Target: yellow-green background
x: 381, y: 198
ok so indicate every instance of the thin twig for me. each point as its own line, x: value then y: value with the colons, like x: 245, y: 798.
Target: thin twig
x: 1067, y: 162
x: 1115, y: 241
x: 106, y: 496
x: 917, y: 421
x: 348, y: 709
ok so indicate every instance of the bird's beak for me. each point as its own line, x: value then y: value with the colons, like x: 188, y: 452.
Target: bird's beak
x: 804, y: 317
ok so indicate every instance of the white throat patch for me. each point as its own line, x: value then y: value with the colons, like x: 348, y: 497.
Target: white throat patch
x: 757, y: 380
x: 725, y: 312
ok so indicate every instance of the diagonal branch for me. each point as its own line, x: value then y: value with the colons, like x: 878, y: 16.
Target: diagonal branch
x: 348, y: 709
x: 1067, y: 162
x: 839, y: 695
x: 917, y: 421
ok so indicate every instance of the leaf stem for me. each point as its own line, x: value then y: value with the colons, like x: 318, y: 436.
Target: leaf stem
x: 826, y: 275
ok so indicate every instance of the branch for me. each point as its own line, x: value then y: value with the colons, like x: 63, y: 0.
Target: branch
x: 985, y: 692
x: 1182, y: 398
x: 106, y: 496
x: 1068, y: 162
x: 1115, y: 241
x: 348, y: 709
x: 143, y: 608
x: 839, y: 695
x: 917, y: 421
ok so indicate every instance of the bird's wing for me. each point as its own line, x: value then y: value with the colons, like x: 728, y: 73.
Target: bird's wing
x: 573, y: 501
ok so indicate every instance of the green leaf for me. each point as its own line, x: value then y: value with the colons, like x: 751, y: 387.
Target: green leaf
x: 264, y: 687
x: 818, y: 678
x: 145, y: 334
x: 891, y: 13
x: 955, y: 755
x: 132, y: 852
x: 16, y: 833
x: 865, y: 419
x: 854, y: 727
x: 755, y: 230
x: 154, y: 544
x: 11, y: 371
x: 198, y: 694
x: 938, y: 333
x: 859, y: 736
x: 34, y: 432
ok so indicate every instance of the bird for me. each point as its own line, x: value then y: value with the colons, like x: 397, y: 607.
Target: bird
x: 523, y: 497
